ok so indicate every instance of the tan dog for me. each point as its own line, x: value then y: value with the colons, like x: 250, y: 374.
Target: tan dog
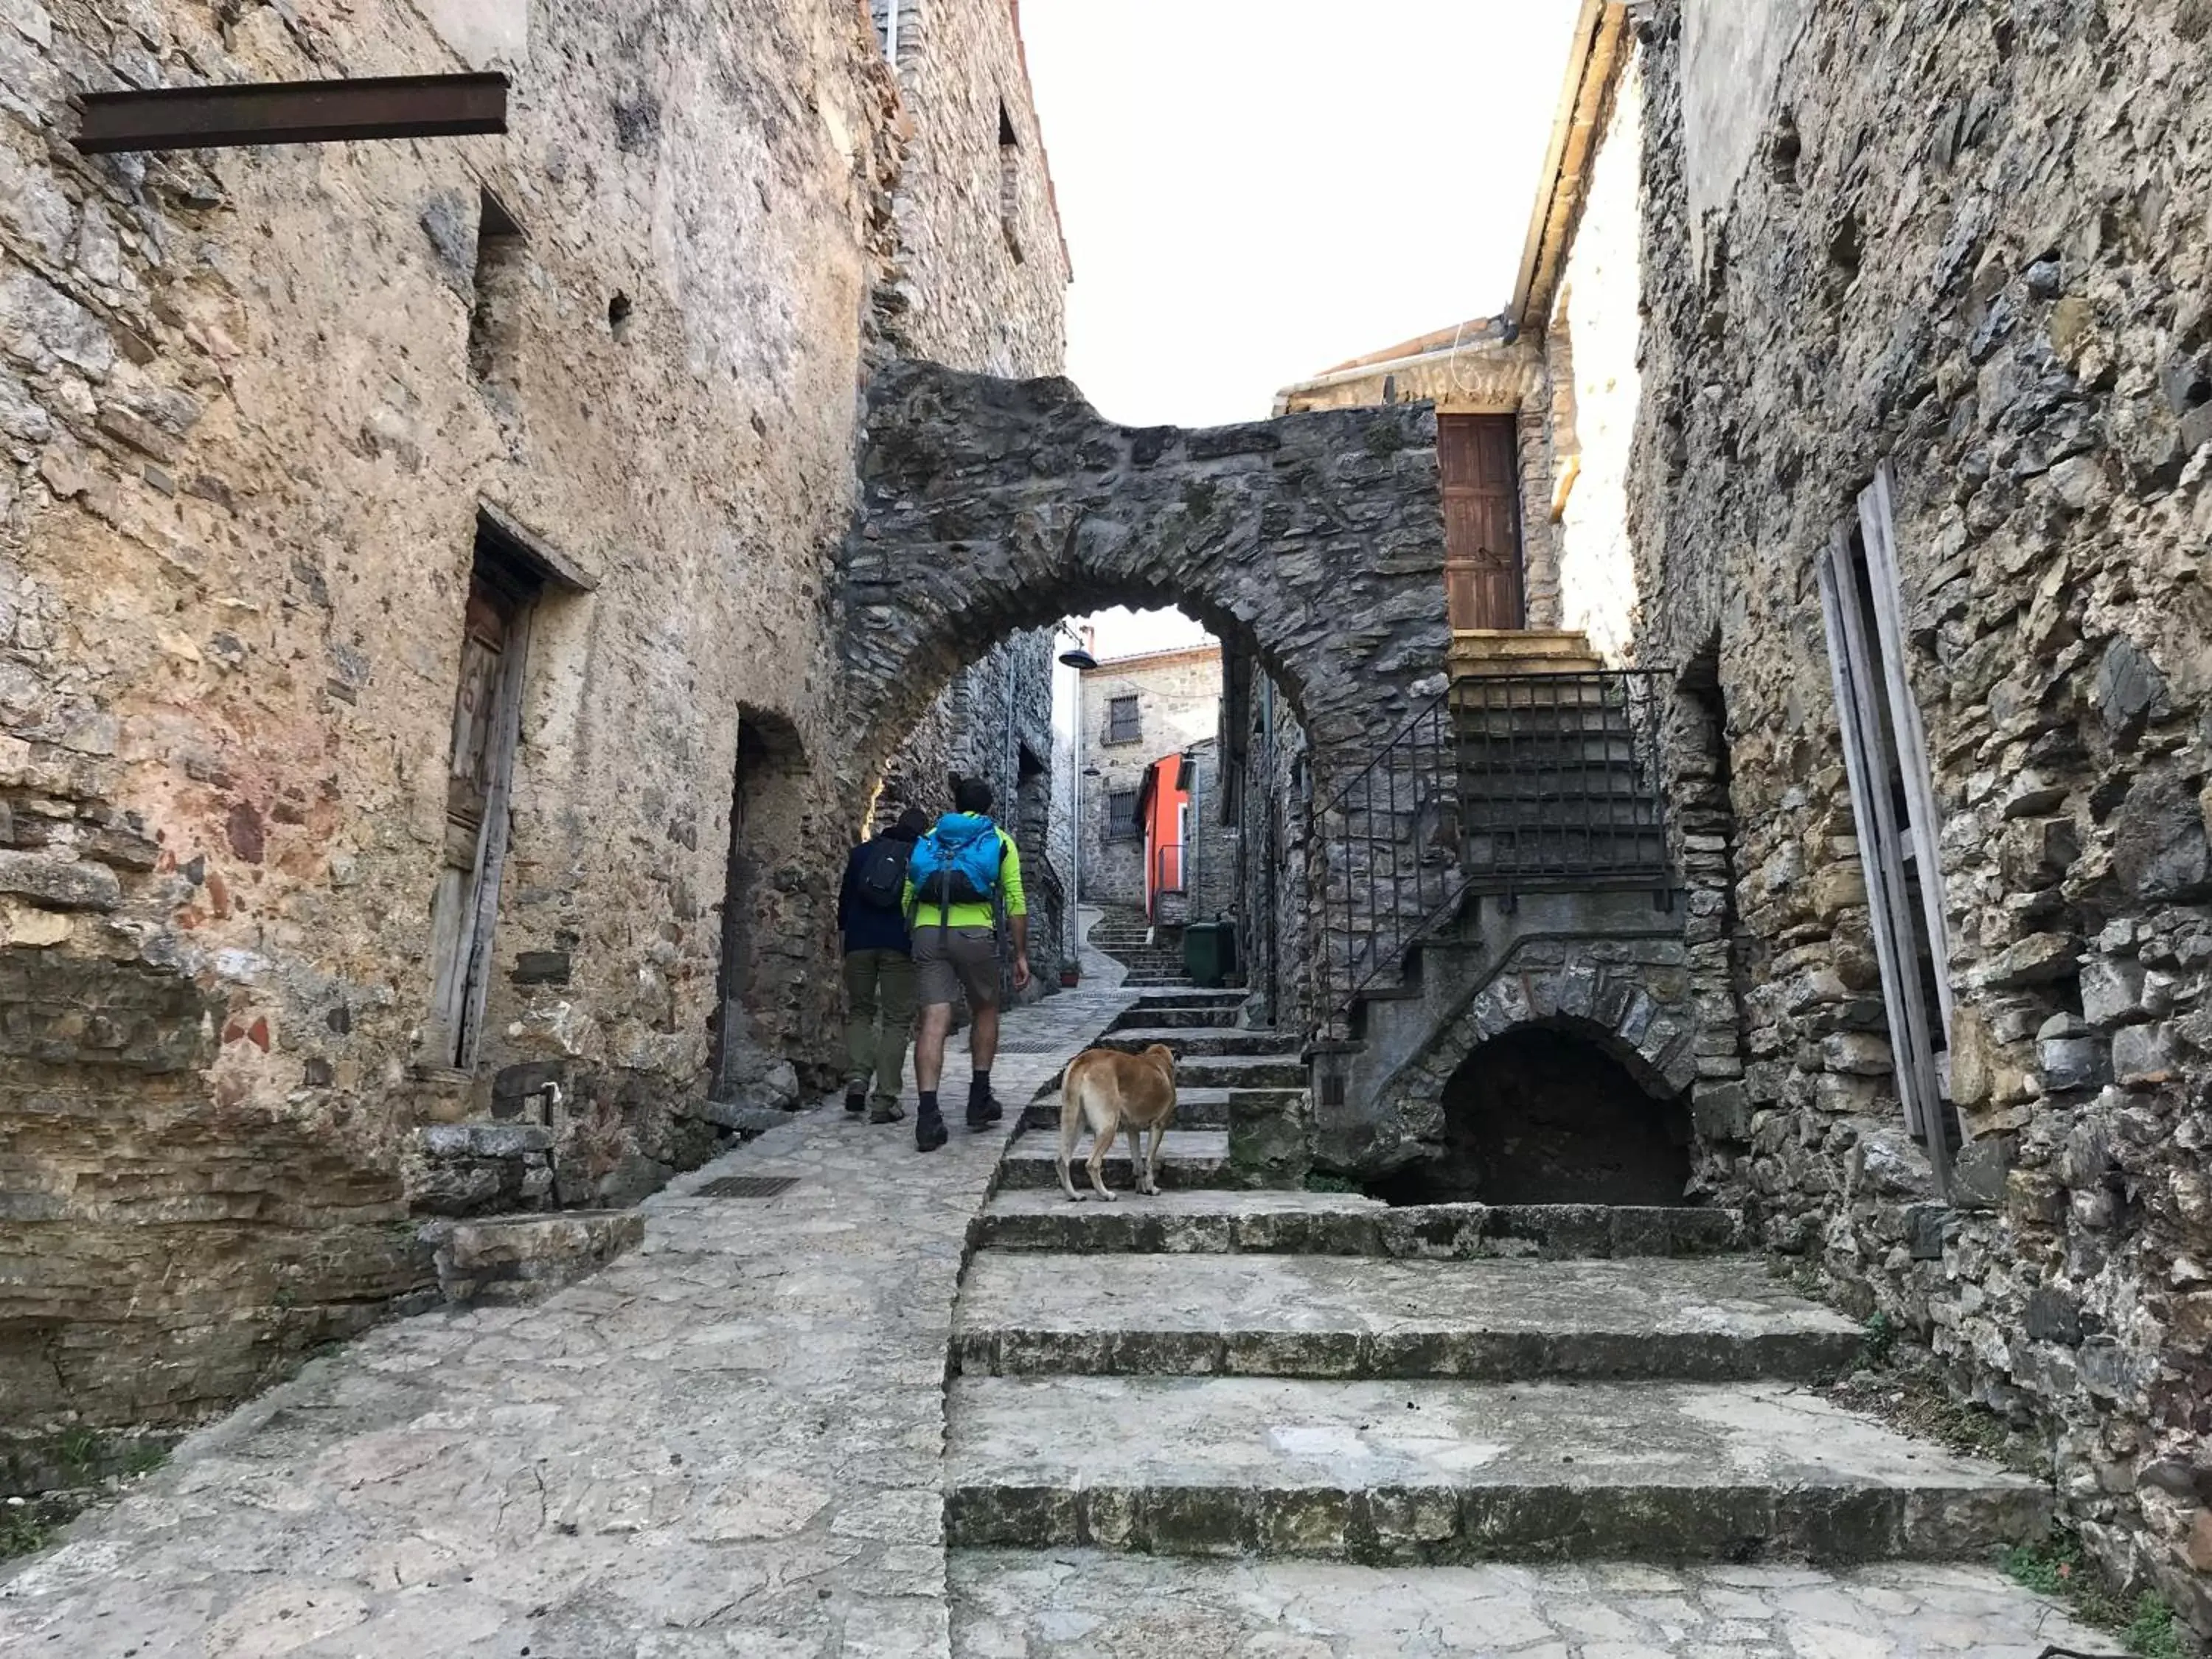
x: 1113, y: 1091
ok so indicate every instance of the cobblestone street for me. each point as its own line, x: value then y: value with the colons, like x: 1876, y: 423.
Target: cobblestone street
x: 727, y: 1443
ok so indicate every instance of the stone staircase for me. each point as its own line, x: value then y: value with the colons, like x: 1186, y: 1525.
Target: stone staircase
x: 1360, y: 1401
x: 1152, y: 956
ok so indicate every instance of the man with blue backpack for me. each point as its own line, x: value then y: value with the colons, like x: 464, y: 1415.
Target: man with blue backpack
x: 959, y: 873
x: 878, y: 968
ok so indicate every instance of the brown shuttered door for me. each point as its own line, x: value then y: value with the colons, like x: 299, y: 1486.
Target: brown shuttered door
x: 1482, y: 521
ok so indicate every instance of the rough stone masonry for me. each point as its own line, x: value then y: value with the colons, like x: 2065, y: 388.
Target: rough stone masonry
x: 1974, y: 240
x: 262, y: 410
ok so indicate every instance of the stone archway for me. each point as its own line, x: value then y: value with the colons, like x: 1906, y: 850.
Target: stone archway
x: 1618, y: 980
x: 1313, y: 541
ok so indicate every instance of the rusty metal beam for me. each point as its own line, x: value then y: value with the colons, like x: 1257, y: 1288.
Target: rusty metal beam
x: 291, y: 113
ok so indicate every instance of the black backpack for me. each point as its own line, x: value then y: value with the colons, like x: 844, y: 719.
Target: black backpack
x: 881, y: 880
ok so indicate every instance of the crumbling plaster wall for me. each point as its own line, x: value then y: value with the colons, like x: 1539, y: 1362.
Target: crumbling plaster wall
x: 1592, y: 343
x: 1973, y: 239
x: 246, y: 450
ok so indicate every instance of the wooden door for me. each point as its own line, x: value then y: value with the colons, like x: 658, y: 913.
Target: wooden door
x: 486, y: 722
x: 1482, y: 521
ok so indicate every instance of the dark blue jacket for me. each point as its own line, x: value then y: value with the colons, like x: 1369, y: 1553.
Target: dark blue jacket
x: 864, y: 927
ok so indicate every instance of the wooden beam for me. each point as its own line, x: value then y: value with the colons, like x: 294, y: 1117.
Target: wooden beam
x: 291, y: 113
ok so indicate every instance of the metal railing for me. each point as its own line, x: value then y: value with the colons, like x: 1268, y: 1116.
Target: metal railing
x: 1560, y: 778
x: 1503, y: 783
x: 1387, y: 859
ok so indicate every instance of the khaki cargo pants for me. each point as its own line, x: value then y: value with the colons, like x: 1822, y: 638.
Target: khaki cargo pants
x: 879, y: 998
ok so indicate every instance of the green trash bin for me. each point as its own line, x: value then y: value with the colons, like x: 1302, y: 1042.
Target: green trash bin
x: 1209, y: 952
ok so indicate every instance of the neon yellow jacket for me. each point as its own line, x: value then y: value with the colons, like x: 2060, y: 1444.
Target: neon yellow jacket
x: 976, y: 915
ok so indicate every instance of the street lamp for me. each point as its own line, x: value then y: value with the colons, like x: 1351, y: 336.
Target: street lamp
x: 1082, y: 661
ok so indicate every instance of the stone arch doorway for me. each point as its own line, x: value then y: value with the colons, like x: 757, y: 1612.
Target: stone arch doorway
x: 768, y: 914
x: 988, y: 506
x: 1556, y: 1112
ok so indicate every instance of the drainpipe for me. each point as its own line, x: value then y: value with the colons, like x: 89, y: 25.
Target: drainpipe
x: 890, y: 36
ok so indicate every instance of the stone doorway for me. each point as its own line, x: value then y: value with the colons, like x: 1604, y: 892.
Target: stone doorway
x: 765, y: 937
x: 1544, y: 1116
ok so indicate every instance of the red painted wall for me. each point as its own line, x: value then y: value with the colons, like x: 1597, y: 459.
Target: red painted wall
x: 1162, y: 798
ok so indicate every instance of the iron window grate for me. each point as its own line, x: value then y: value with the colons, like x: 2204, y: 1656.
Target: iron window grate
x: 747, y: 1187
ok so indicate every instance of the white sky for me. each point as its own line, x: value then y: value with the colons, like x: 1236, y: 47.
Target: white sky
x: 1254, y: 189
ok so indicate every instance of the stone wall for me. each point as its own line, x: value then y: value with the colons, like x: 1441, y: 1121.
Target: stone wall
x: 974, y: 275
x: 1267, y: 770
x: 254, y: 401
x: 1972, y: 242
x: 1178, y: 697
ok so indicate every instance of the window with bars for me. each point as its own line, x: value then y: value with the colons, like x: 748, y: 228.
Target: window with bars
x: 1122, y: 815
x: 1122, y: 723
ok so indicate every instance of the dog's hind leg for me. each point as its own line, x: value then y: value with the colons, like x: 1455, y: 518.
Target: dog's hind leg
x: 1071, y: 1129
x: 1102, y: 1127
x: 1139, y: 1177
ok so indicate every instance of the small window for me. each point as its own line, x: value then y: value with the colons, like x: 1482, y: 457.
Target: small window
x: 1122, y: 815
x: 495, y: 319
x: 1009, y: 183
x: 1121, y: 723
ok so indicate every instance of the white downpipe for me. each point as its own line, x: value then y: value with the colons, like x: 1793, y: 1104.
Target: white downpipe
x: 891, y: 35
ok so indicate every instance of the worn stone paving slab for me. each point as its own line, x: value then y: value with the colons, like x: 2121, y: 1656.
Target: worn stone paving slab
x: 1436, y: 1471
x: 1189, y: 1158
x: 1291, y: 1315
x: 1202, y: 1220
x: 1084, y: 1604
x: 728, y: 1442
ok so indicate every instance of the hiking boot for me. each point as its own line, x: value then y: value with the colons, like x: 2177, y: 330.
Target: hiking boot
x: 930, y: 1132
x: 856, y: 1101
x: 983, y: 1111
x: 890, y: 1112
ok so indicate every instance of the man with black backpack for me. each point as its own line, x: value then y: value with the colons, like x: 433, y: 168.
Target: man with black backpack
x: 959, y: 871
x: 878, y: 967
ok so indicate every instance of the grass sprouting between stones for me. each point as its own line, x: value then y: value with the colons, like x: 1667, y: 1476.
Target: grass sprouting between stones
x: 2057, y: 1568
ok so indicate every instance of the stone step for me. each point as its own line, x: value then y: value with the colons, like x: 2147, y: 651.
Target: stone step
x: 1216, y: 1015
x: 1195, y: 1109
x: 1190, y: 996
x: 1159, y: 981
x: 1241, y: 1071
x: 1074, y: 1604
x: 523, y: 1258
x: 1203, y: 1221
x: 1449, y: 1471
x: 1189, y: 1158
x: 1026, y: 1312
x: 1200, y: 1043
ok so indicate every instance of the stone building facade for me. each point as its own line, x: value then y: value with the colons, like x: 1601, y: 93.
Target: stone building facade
x: 1134, y: 711
x: 329, y: 465
x: 1928, y: 300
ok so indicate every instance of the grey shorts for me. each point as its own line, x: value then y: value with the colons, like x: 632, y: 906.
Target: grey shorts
x: 963, y: 957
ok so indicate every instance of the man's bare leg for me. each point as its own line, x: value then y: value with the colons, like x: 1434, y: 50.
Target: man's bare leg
x: 929, y: 1132
x: 983, y: 1039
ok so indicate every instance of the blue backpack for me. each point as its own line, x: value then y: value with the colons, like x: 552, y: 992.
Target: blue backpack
x: 957, y: 863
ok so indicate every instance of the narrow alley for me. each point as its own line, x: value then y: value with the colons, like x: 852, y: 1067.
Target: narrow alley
x: 1598, y: 613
